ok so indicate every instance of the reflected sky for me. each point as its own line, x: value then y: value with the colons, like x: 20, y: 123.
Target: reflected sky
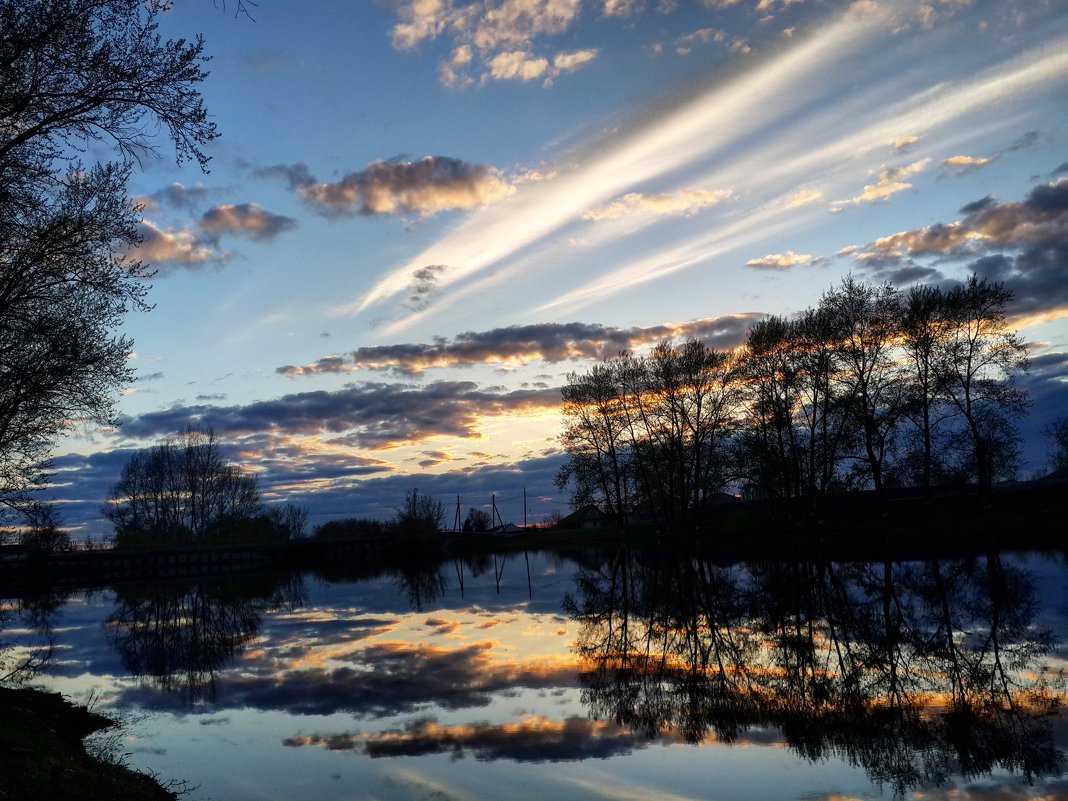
x: 556, y: 684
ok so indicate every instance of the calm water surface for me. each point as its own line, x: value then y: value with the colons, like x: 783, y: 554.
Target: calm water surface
x: 618, y: 676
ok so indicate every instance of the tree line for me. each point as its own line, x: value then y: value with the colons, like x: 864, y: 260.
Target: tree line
x: 872, y: 388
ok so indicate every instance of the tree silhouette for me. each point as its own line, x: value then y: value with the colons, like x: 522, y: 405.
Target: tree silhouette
x: 76, y: 74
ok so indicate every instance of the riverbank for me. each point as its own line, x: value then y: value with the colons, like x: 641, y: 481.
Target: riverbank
x: 901, y: 526
x: 43, y: 755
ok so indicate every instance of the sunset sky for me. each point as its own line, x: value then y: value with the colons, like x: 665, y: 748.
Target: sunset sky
x: 422, y: 214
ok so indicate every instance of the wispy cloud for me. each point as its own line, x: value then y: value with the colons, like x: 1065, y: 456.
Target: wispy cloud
x: 693, y: 129
x: 729, y: 116
x: 685, y: 201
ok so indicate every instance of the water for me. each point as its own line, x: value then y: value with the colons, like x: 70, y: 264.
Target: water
x: 621, y: 676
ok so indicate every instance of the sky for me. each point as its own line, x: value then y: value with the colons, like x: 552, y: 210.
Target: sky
x: 421, y: 215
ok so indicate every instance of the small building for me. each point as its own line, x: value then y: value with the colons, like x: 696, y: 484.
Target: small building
x: 505, y: 529
x: 588, y: 516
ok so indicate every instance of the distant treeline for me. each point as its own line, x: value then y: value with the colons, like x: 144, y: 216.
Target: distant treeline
x: 872, y: 388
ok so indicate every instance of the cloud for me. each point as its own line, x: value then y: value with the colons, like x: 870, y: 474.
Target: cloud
x: 294, y: 176
x: 1021, y: 243
x: 244, y: 219
x: 520, y: 65
x: 427, y: 186
x: 197, y: 244
x: 891, y: 181
x: 500, y: 39
x: 531, y: 739
x: 372, y: 416
x: 519, y: 345
x: 179, y: 196
x: 177, y: 247
x: 424, y: 284
x: 571, y: 61
x: 390, y: 678
x: 516, y: 65
x: 784, y: 261
x: 803, y: 197
x: 956, y: 162
x: 721, y: 126
x: 686, y: 202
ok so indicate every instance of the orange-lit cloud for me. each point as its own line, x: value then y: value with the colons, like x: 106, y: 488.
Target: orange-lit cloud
x: 965, y: 161
x: 783, y: 261
x: 548, y: 342
x: 373, y: 416
x: 1022, y: 243
x: 182, y: 248
x: 532, y: 739
x: 891, y: 181
x: 427, y: 186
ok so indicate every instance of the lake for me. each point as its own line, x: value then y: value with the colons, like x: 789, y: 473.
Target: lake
x: 622, y: 675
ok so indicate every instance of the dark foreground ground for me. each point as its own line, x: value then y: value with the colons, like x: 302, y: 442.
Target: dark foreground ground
x: 43, y: 756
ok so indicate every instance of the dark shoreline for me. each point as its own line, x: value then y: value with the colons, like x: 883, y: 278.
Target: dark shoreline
x: 43, y: 754
x: 857, y: 526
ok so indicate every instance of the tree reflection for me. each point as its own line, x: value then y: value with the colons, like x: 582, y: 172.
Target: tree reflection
x: 422, y: 583
x: 912, y: 671
x: 179, y: 636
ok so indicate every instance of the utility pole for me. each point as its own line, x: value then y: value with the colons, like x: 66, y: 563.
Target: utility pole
x: 524, y: 507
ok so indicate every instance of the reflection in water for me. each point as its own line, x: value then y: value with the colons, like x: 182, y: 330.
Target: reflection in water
x: 911, y: 671
x: 179, y: 636
x: 22, y: 661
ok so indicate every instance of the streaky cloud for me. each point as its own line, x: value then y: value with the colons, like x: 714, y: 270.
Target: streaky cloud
x: 691, y: 129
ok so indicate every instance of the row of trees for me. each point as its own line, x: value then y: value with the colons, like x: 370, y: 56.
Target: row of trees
x: 873, y: 387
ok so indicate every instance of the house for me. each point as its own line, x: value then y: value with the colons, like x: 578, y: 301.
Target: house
x: 505, y: 529
x: 588, y: 516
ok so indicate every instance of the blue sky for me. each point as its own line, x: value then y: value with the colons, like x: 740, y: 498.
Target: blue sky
x: 422, y: 214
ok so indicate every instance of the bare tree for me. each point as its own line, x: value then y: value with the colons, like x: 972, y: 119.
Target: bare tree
x: 594, y: 437
x: 419, y: 515
x: 979, y: 360
x: 477, y: 520
x: 1056, y: 433
x: 866, y: 327
x: 649, y: 432
x: 923, y: 328
x: 75, y: 75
